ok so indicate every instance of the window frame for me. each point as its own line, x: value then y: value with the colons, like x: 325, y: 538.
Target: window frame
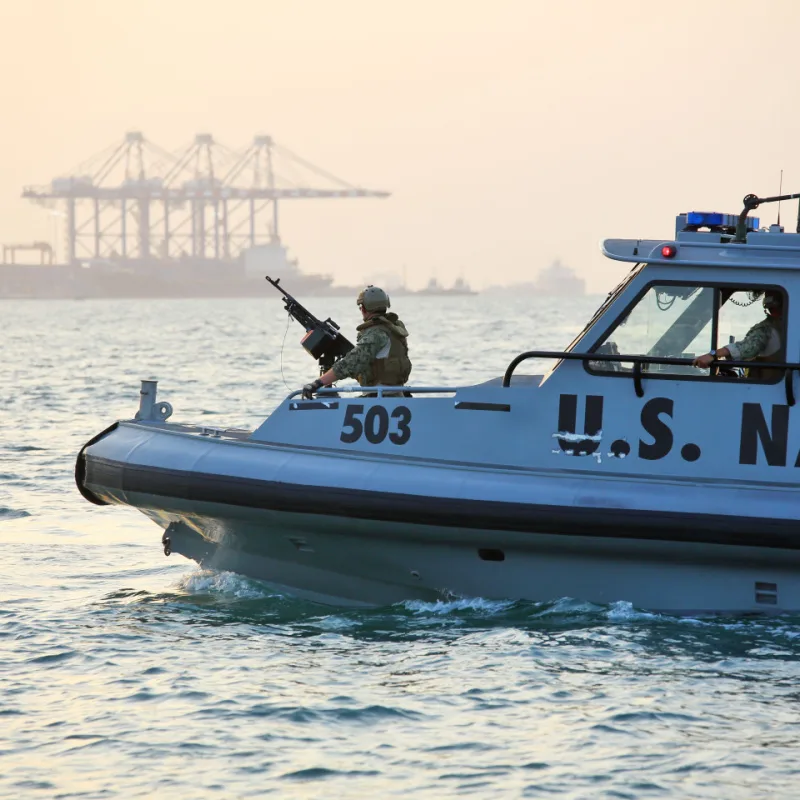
x: 586, y: 331
x: 716, y: 286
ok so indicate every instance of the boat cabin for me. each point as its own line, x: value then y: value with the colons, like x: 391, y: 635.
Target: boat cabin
x: 695, y: 295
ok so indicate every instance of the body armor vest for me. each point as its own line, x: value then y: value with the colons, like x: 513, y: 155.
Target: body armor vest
x: 394, y: 369
x: 768, y: 373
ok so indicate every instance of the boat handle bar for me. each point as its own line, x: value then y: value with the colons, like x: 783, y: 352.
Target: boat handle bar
x: 638, y: 360
x: 381, y: 390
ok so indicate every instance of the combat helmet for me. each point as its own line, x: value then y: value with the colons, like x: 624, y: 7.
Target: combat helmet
x: 373, y: 299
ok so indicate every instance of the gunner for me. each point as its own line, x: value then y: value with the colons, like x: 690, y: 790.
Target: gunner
x: 380, y: 356
x: 762, y: 344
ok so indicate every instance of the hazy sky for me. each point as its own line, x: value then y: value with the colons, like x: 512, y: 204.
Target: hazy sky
x: 510, y: 132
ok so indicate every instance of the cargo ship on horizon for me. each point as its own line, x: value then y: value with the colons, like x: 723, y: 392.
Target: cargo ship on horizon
x: 186, y: 277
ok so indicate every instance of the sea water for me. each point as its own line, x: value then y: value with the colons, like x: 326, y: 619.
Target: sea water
x: 127, y: 674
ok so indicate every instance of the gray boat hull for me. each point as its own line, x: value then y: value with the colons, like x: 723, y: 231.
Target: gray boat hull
x: 360, y: 544
x: 340, y: 561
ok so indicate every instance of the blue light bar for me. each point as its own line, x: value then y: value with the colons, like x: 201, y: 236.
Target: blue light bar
x: 713, y: 219
x: 704, y: 218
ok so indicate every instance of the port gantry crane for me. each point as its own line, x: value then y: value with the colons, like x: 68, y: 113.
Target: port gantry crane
x: 137, y: 201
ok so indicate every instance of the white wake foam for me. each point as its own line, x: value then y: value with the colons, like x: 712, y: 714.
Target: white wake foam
x: 623, y: 611
x: 229, y: 584
x: 458, y: 604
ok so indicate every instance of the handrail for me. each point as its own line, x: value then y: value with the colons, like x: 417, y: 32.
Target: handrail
x: 380, y: 390
x: 638, y: 360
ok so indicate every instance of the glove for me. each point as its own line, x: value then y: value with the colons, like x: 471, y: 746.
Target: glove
x: 310, y: 388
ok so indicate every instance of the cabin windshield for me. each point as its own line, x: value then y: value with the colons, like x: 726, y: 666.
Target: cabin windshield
x: 672, y: 321
x: 680, y: 321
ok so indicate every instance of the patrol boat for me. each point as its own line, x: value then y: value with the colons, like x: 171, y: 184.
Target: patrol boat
x: 622, y: 473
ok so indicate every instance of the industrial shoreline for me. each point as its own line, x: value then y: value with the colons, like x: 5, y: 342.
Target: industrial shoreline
x: 140, y: 222
x: 75, y: 282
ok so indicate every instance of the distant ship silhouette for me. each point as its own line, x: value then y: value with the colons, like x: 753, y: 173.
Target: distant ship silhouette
x: 434, y: 287
x: 557, y: 280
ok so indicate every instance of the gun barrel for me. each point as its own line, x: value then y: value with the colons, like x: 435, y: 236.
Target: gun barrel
x: 296, y: 308
x: 323, y: 340
x: 276, y: 284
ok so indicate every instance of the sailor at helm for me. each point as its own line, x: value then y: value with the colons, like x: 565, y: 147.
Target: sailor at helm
x: 380, y: 357
x: 762, y: 344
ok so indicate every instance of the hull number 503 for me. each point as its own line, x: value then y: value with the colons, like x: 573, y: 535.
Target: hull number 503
x: 376, y: 424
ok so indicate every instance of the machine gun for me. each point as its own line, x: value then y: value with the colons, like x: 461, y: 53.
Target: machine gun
x: 322, y: 340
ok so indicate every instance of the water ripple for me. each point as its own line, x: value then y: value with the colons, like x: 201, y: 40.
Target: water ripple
x: 126, y: 674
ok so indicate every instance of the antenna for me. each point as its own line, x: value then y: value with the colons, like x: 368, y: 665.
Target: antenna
x: 780, y: 189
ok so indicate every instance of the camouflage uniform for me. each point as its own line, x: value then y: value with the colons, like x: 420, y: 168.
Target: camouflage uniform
x: 763, y: 339
x: 762, y: 344
x: 374, y: 339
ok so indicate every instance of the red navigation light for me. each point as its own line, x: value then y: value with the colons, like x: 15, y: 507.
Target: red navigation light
x: 669, y: 251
